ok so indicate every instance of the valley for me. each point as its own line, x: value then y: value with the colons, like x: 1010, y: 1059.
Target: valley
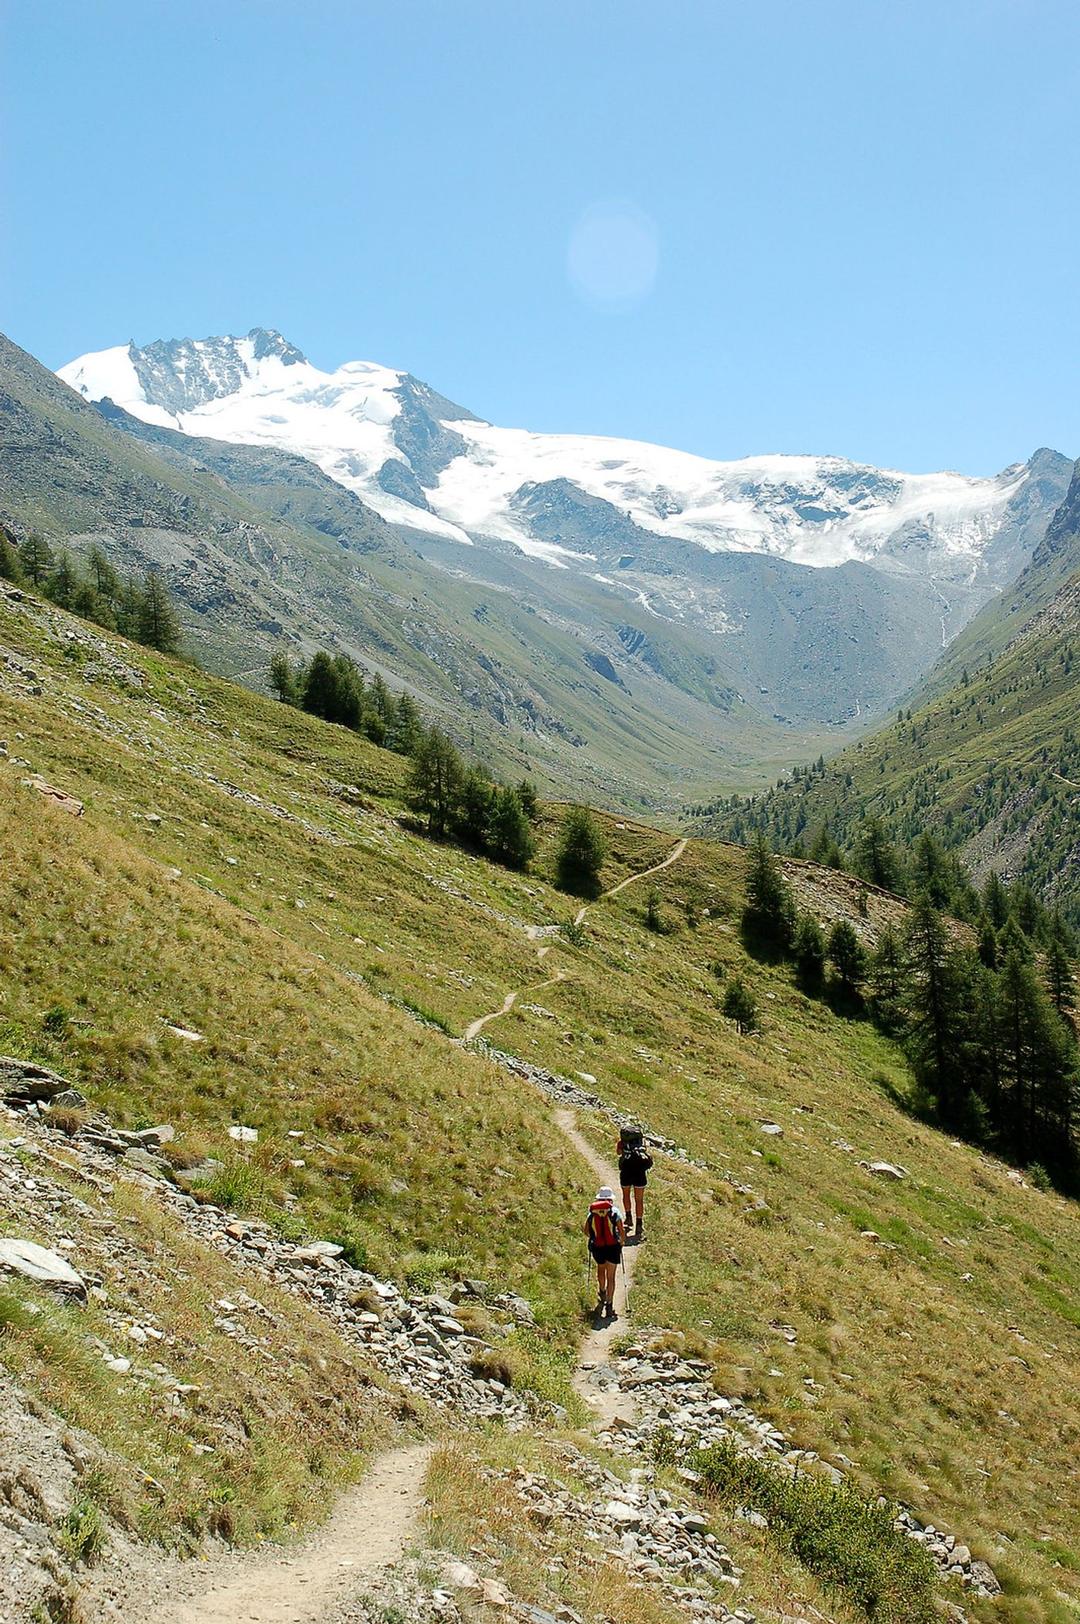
x: 243, y: 929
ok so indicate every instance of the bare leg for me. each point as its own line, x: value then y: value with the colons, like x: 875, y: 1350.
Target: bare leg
x: 639, y: 1204
x: 626, y: 1203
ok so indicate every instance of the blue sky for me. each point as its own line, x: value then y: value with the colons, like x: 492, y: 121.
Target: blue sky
x: 831, y: 225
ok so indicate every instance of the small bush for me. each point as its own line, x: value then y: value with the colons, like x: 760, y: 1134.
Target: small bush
x: 845, y: 1539
x: 237, y: 1184
x: 83, y: 1535
x: 573, y: 933
x: 423, y: 1270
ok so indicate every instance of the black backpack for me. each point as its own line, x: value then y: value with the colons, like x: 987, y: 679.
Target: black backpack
x: 634, y: 1153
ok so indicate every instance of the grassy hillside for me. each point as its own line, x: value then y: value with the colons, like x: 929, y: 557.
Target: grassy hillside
x: 244, y: 871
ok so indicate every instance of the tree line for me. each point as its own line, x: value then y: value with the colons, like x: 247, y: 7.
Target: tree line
x: 333, y: 687
x: 988, y: 1023
x: 136, y: 606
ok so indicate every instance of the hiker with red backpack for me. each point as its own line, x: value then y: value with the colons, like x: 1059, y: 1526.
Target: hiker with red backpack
x: 634, y: 1165
x: 607, y: 1236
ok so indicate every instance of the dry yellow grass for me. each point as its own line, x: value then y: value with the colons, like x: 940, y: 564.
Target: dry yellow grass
x: 958, y: 1394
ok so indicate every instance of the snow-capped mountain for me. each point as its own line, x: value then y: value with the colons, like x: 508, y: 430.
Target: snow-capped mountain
x: 573, y: 500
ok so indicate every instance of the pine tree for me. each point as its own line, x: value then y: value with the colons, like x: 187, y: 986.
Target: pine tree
x: 768, y: 916
x: 284, y: 681
x: 105, y: 581
x: 63, y: 582
x: 580, y: 853
x: 36, y: 557
x: 407, y: 726
x: 11, y: 568
x: 1061, y: 977
x: 320, y: 687
x: 740, y: 1005
x: 434, y: 780
x: 875, y: 856
x: 995, y: 900
x: 935, y: 1013
x: 887, y: 972
x: 1039, y: 1069
x: 475, y: 805
x: 808, y: 950
x: 526, y: 792
x: 128, y: 607
x: 510, y: 837
x: 653, y: 917
x: 847, y: 957
x: 988, y: 943
x: 158, y: 626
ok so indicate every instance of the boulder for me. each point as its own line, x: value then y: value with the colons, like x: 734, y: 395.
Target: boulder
x: 36, y: 1262
x: 56, y: 797
x: 886, y: 1170
x: 24, y: 1082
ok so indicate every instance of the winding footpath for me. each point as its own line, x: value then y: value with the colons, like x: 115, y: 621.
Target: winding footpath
x: 374, y: 1523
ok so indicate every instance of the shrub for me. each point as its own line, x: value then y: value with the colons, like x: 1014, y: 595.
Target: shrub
x: 845, y: 1539
x: 83, y: 1536
x: 740, y: 1005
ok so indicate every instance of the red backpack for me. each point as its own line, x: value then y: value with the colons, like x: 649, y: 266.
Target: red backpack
x: 605, y: 1226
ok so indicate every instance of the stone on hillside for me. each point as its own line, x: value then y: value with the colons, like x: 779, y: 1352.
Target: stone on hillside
x: 772, y: 1128
x: 459, y: 1576
x: 187, y: 1033
x: 24, y: 1082
x: 69, y: 1099
x: 243, y: 1136
x: 37, y: 1263
x: 56, y: 797
x: 886, y: 1170
x: 618, y: 1511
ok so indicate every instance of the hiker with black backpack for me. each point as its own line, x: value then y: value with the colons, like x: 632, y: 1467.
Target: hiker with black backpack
x: 607, y: 1235
x: 634, y: 1165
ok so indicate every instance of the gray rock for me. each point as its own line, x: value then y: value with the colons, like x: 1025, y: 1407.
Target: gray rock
x: 24, y: 1082
x: 37, y: 1263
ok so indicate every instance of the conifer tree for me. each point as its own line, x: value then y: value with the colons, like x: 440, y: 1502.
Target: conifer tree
x: 62, y: 582
x: 36, y: 557
x: 580, y: 853
x: 475, y: 804
x: 103, y: 577
x: 808, y: 950
x: 740, y: 1005
x: 284, y: 680
x: 887, y: 972
x: 769, y: 912
x: 11, y: 568
x: 1061, y: 977
x: 511, y: 837
x: 526, y: 792
x: 406, y: 726
x: 847, y: 957
x: 158, y: 626
x: 434, y: 781
x: 995, y: 900
x: 875, y: 856
x: 935, y: 1013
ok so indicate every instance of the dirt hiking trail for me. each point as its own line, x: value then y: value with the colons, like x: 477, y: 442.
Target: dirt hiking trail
x: 369, y: 1529
x: 534, y: 932
x: 594, y: 1353
x: 373, y: 1523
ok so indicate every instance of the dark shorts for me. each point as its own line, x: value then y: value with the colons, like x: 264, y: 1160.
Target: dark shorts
x: 605, y: 1254
x: 632, y: 1177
